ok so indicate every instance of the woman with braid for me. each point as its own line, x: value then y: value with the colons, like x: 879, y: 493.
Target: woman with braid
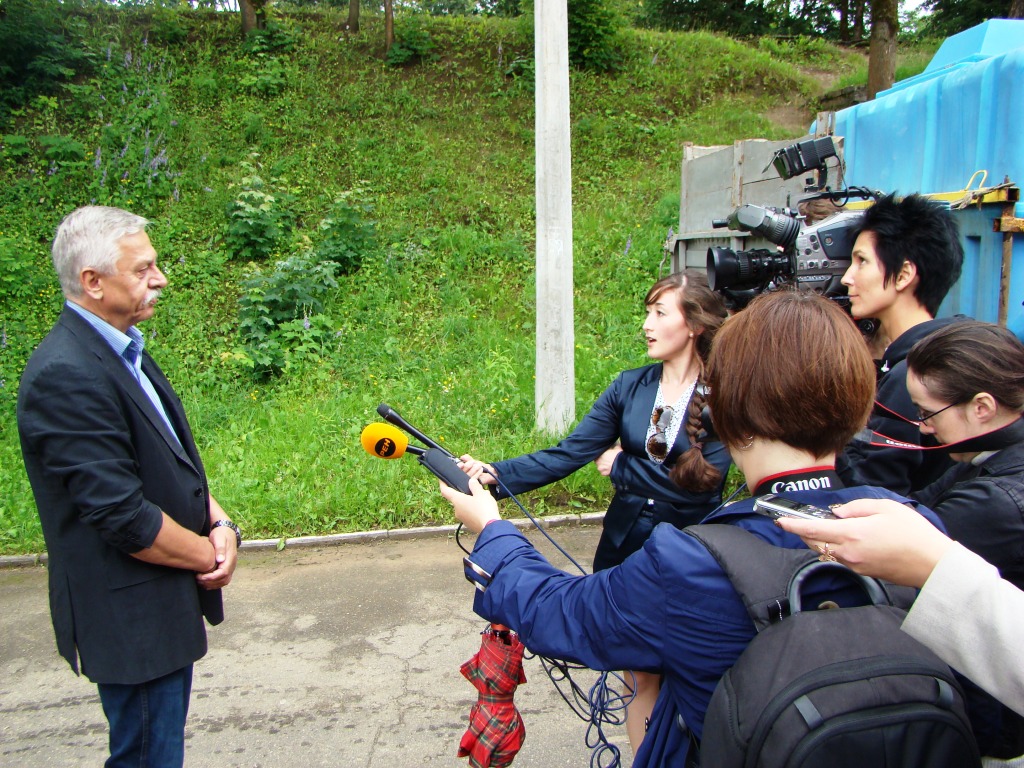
x: 644, y: 433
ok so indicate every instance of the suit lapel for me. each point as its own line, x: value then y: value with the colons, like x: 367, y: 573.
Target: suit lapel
x: 640, y: 406
x: 114, y: 365
x: 173, y: 410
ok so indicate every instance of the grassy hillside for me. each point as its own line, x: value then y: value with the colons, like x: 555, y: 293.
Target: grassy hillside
x: 313, y: 135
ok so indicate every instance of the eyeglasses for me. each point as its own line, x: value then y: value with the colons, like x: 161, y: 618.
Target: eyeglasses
x: 657, y: 444
x: 923, y: 416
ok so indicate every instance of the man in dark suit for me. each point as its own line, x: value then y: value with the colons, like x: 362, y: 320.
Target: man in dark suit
x: 138, y: 548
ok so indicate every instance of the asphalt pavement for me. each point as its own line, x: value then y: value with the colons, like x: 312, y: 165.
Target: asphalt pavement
x: 331, y: 654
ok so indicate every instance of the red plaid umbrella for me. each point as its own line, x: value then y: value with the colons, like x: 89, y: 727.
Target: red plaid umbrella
x: 496, y: 730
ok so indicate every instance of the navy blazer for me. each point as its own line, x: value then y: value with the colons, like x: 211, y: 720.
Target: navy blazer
x: 103, y: 465
x: 622, y: 413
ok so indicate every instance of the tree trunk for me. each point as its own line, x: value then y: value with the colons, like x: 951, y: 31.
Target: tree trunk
x: 248, y: 17
x: 843, y: 6
x: 858, y: 21
x: 882, y: 54
x: 353, y: 16
x: 389, y: 25
x: 1016, y: 9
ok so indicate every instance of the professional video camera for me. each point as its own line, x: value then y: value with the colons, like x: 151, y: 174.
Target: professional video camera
x: 810, y: 256
x: 813, y: 257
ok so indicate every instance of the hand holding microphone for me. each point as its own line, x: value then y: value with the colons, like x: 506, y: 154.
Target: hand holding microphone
x: 484, y: 473
x: 474, y: 510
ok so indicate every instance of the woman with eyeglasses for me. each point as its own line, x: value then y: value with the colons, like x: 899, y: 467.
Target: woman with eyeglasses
x: 790, y: 382
x: 967, y: 381
x: 644, y: 433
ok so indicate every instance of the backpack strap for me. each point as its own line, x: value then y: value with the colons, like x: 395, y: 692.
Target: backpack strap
x: 768, y: 578
x: 760, y: 572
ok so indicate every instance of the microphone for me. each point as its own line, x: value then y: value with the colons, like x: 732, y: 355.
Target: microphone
x: 386, y: 442
x: 390, y: 415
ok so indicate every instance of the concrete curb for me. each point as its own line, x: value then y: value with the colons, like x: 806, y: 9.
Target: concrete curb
x: 361, y: 537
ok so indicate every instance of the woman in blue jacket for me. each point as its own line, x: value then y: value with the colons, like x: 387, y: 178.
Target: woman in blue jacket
x: 790, y: 382
x: 643, y: 433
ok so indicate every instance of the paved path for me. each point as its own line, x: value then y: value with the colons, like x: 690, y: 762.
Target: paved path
x: 334, y: 656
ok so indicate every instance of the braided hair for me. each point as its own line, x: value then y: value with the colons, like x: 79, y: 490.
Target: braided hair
x: 705, y: 312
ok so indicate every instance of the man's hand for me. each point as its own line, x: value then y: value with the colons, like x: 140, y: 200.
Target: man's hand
x: 225, y: 547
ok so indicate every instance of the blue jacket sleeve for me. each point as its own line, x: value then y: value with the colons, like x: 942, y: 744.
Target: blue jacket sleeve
x: 597, y: 620
x: 595, y: 433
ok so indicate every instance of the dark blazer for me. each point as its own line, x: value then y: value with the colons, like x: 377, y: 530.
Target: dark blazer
x: 102, y: 465
x: 623, y: 413
x: 900, y: 470
x: 982, y: 507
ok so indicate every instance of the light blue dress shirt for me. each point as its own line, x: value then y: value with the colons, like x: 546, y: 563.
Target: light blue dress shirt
x: 129, y: 348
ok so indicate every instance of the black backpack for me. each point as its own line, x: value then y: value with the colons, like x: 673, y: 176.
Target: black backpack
x: 834, y: 687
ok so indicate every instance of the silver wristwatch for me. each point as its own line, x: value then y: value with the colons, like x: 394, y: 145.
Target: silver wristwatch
x: 232, y: 526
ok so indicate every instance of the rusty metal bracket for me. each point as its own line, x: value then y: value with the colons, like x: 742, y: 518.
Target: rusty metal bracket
x: 1009, y: 224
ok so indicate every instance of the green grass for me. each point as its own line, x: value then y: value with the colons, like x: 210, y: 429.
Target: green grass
x: 911, y: 60
x: 439, y: 321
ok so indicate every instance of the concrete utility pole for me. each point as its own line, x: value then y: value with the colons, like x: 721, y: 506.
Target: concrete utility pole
x: 556, y: 375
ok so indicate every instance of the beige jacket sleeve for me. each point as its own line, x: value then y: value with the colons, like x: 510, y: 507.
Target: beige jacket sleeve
x: 974, y: 621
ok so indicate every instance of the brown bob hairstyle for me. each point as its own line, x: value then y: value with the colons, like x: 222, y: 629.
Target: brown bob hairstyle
x: 791, y: 367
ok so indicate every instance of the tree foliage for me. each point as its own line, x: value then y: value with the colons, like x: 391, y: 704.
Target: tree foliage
x: 832, y: 19
x: 951, y: 16
x: 594, y: 42
x: 41, y: 48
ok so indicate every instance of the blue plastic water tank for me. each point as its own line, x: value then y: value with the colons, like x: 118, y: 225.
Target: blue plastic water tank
x: 931, y: 133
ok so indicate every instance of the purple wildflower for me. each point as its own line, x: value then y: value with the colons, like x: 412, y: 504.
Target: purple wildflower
x: 99, y: 159
x: 177, y: 198
x: 305, y: 323
x: 629, y: 245
x: 127, y: 58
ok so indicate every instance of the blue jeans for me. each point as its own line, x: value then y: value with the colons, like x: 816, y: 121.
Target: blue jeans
x: 147, y: 721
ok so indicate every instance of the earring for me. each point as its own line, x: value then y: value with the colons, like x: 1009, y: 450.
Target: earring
x: 750, y: 442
